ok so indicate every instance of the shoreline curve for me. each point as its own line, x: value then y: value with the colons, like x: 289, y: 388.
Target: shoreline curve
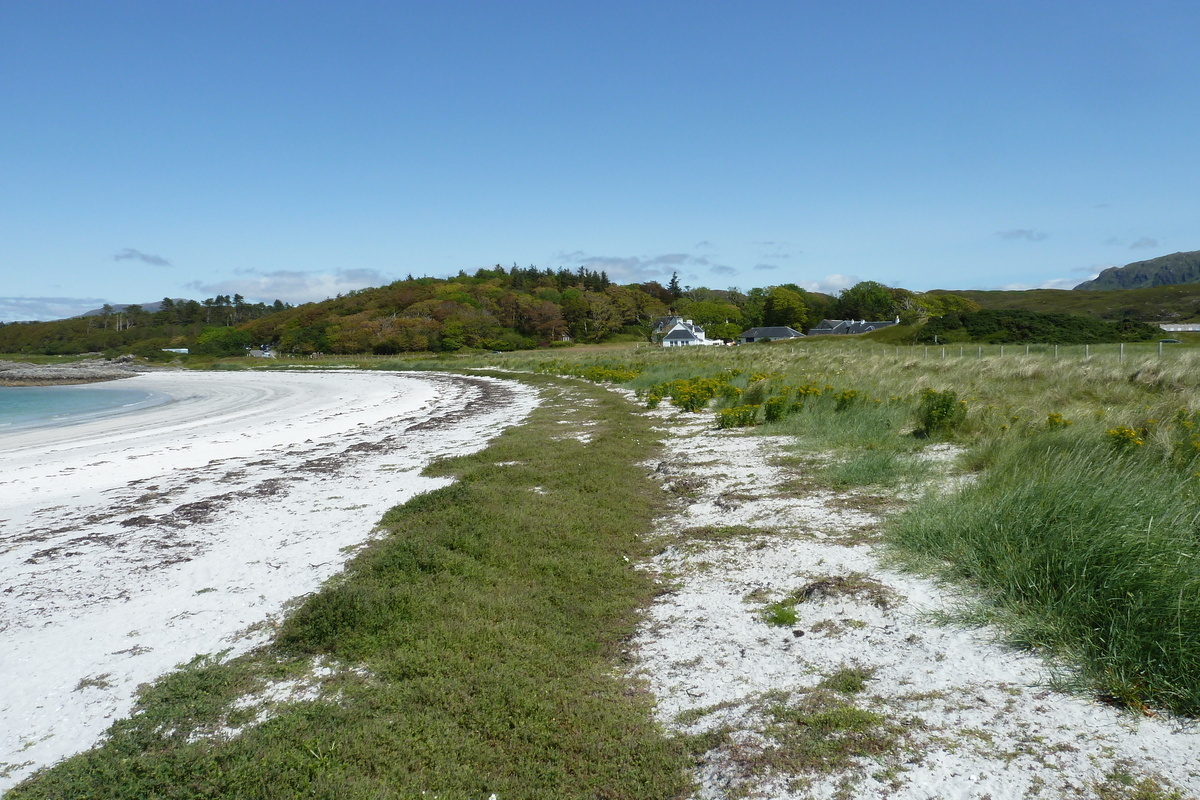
x: 132, y: 543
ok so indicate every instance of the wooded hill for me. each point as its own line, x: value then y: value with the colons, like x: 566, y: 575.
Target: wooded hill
x: 521, y: 308
x: 132, y: 328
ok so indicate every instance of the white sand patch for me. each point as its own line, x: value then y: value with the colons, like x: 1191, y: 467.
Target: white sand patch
x: 128, y: 545
x: 267, y: 702
x: 976, y: 720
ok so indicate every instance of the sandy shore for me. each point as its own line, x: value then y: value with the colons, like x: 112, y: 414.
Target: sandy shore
x: 969, y: 717
x: 130, y: 544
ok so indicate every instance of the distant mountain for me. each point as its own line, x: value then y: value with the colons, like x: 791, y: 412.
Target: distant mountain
x: 115, y: 308
x: 1162, y: 271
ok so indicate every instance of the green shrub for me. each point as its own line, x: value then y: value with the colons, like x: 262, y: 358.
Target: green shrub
x: 1124, y: 438
x: 222, y: 342
x: 738, y: 417
x: 776, y: 408
x: 940, y: 412
x: 845, y: 399
x: 690, y: 394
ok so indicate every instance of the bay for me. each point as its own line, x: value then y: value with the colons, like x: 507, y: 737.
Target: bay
x: 24, y: 407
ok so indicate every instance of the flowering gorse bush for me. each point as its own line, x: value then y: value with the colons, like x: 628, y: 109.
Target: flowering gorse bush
x: 1125, y: 438
x: 1055, y: 421
x: 940, y: 412
x: 738, y: 417
x: 690, y: 394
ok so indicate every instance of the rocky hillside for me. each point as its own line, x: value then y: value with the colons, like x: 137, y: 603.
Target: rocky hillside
x: 1162, y: 271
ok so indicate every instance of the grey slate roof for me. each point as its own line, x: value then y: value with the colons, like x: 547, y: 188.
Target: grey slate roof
x: 772, y: 332
x: 840, y: 326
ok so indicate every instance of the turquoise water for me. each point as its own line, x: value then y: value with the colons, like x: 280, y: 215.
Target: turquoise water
x: 36, y: 406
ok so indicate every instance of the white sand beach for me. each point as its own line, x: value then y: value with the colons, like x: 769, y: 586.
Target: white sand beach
x: 131, y: 544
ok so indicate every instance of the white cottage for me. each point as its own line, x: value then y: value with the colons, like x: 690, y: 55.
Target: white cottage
x: 679, y: 332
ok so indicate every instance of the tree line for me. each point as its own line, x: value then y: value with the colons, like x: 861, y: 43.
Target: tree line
x: 133, y: 328
x: 496, y: 309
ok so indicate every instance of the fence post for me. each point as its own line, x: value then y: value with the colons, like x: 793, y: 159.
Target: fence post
x: 1056, y: 351
x: 1121, y: 359
x: 1086, y: 352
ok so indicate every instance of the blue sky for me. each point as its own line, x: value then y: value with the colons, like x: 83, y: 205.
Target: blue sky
x: 295, y: 150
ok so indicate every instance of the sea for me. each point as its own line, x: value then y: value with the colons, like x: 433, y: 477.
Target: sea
x: 24, y: 407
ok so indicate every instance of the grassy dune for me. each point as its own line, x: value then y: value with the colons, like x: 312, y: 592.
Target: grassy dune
x: 1080, y: 531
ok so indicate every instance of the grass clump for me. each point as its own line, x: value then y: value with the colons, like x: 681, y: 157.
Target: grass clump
x: 1119, y: 784
x: 822, y: 732
x: 1088, y: 553
x: 847, y: 680
x: 884, y: 468
x: 782, y: 613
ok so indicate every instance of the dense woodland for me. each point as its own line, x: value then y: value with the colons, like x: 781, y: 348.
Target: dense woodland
x: 1006, y: 327
x: 522, y: 308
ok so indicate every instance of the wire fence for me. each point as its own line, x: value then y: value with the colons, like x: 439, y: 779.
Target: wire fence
x: 1118, y: 352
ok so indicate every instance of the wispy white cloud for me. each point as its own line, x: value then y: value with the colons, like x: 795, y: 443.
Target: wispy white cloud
x: 637, y: 269
x: 40, y: 309
x: 775, y: 250
x: 1144, y: 243
x: 765, y: 267
x: 1023, y: 233
x: 147, y: 258
x: 1053, y: 283
x: 292, y: 286
x: 830, y: 284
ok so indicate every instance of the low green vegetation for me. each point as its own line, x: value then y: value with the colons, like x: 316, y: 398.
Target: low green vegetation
x: 1021, y: 325
x: 477, y: 647
x: 824, y: 731
x: 1175, y: 303
x: 1079, y: 529
x: 1086, y: 542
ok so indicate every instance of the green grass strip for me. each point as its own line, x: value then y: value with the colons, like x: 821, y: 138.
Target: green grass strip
x: 487, y: 632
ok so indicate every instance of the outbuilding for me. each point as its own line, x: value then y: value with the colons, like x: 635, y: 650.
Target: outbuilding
x: 774, y: 333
